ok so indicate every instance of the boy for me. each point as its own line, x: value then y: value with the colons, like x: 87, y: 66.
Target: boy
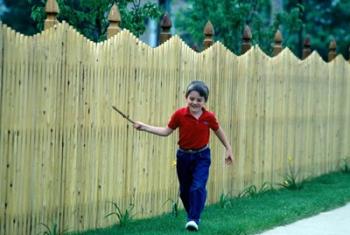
x: 193, y: 154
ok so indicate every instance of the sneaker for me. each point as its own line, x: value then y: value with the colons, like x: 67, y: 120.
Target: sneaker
x: 191, y: 226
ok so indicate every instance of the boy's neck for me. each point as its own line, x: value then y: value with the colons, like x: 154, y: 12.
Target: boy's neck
x: 197, y: 114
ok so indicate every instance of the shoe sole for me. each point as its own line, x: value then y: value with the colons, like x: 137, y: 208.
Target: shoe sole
x: 191, y: 228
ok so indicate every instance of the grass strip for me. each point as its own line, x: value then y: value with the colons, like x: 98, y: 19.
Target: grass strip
x: 251, y: 214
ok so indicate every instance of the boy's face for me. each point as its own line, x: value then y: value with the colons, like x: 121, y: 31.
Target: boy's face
x: 195, y: 102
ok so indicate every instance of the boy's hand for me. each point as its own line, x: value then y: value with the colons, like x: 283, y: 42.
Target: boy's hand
x: 229, y: 157
x: 138, y: 125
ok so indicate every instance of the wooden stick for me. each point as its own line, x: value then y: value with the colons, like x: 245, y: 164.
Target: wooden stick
x: 123, y: 115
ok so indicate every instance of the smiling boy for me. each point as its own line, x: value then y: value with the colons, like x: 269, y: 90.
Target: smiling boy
x: 193, y: 155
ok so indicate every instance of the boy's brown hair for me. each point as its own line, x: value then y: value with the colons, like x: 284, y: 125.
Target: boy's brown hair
x: 200, y: 87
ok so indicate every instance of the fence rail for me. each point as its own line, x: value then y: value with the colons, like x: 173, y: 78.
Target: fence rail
x: 65, y: 155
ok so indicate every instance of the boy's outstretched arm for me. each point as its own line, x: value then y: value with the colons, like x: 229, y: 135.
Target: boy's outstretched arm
x: 161, y: 131
x: 222, y: 137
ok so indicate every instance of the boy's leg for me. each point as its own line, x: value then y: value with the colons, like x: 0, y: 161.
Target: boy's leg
x: 198, y: 192
x: 184, y: 174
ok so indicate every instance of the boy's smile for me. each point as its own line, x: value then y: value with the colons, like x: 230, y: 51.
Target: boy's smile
x: 195, y: 102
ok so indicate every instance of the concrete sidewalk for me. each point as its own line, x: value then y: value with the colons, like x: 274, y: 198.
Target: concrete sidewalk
x: 335, y: 222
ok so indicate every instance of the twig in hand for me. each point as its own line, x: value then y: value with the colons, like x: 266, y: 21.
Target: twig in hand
x: 123, y: 115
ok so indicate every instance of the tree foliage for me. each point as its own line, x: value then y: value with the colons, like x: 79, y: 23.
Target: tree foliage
x: 90, y: 17
x: 17, y: 16
x: 322, y: 20
x: 229, y: 18
x: 135, y: 19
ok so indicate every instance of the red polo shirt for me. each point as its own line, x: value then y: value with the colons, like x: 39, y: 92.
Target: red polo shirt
x: 193, y: 133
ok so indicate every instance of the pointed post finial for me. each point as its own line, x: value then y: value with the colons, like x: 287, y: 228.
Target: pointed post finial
x: 332, y: 50
x: 114, y: 21
x: 208, y: 35
x: 277, y: 46
x: 246, y: 40
x: 165, y: 25
x: 306, y: 47
x: 51, y: 9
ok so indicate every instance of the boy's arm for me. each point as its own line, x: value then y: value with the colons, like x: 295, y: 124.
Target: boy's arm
x: 161, y: 131
x: 222, y: 137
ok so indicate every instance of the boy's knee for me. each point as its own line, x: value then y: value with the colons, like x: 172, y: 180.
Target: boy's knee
x: 197, y: 186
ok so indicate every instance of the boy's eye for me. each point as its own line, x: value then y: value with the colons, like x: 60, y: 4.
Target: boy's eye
x: 196, y: 99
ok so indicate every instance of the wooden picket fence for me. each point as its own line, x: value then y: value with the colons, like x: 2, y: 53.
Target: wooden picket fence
x: 65, y: 154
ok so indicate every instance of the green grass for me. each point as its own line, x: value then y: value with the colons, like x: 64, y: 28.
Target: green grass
x: 251, y: 214
x: 124, y: 217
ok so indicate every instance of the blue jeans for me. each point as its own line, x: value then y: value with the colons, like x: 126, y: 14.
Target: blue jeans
x: 193, y: 171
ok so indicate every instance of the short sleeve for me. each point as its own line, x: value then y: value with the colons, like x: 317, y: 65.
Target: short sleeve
x: 174, y: 121
x: 213, y: 122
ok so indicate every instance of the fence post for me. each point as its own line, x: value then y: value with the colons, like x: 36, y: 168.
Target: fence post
x: 51, y: 9
x: 306, y: 47
x: 208, y: 35
x: 114, y: 21
x: 247, y: 36
x: 277, y: 47
x: 165, y: 25
x: 332, y: 50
